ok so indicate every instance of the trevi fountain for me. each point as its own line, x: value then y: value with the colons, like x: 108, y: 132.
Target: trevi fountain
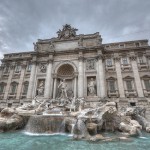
x: 74, y: 99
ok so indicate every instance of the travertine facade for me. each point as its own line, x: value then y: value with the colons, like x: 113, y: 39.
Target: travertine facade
x: 117, y: 72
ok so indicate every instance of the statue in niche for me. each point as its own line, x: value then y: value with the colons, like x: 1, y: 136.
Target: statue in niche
x: 63, y: 87
x: 43, y: 68
x: 90, y: 64
x: 40, y: 89
x: 91, y: 87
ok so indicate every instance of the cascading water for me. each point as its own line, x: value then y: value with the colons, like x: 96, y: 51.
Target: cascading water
x: 45, y: 124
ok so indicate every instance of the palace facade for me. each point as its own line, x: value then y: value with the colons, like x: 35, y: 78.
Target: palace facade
x: 117, y: 72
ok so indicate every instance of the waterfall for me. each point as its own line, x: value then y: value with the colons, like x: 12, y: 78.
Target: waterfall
x: 72, y: 128
x: 45, y: 124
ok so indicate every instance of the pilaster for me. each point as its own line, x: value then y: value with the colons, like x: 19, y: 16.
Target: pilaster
x: 48, y: 81
x: 32, y: 80
x: 138, y: 83
x: 119, y: 75
x: 19, y: 89
x: 80, y: 75
x: 12, y: 66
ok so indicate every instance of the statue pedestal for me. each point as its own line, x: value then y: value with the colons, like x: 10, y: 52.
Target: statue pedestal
x: 93, y: 98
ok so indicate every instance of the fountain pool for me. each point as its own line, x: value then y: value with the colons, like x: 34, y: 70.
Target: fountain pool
x: 27, y: 141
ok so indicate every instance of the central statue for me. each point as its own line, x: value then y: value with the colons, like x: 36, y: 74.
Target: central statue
x: 63, y: 87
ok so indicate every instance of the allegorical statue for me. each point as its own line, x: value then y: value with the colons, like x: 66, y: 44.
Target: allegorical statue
x: 63, y: 87
x: 40, y: 89
x: 91, y: 87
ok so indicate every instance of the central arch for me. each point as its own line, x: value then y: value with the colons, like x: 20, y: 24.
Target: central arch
x: 65, y: 70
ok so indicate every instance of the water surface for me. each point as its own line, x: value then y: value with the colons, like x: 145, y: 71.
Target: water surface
x: 22, y: 141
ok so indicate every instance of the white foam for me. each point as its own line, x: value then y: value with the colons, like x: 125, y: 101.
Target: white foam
x: 142, y: 137
x: 43, y: 134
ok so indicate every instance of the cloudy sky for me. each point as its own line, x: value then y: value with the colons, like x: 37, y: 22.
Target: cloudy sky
x: 22, y: 22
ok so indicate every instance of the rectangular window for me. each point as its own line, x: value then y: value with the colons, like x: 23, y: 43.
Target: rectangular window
x: 147, y: 84
x: 25, y: 89
x: 14, y: 88
x: 124, y: 60
x: 29, y: 67
x: 18, y: 69
x: 109, y: 62
x: 6, y: 69
x: 1, y: 88
x: 112, y: 86
x: 129, y: 85
x: 141, y: 60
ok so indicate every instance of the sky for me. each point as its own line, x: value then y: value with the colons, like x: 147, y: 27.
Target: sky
x: 22, y: 22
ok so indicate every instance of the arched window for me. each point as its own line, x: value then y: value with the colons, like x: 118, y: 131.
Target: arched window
x: 2, y: 87
x: 13, y: 89
x: 28, y: 69
x: 25, y: 87
x: 129, y: 84
x: 18, y: 68
x: 112, y: 84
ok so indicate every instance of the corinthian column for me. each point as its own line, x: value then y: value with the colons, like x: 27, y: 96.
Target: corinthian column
x: 136, y: 75
x: 9, y: 81
x: 119, y: 76
x: 19, y: 89
x: 80, y: 77
x: 31, y: 81
x: 48, y: 81
x: 101, y: 74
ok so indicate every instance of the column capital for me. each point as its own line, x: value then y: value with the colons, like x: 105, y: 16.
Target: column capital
x: 54, y: 75
x: 100, y: 57
x: 81, y: 58
x: 117, y: 59
x: 133, y: 57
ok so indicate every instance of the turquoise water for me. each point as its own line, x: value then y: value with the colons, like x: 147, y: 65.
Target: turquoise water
x: 22, y: 141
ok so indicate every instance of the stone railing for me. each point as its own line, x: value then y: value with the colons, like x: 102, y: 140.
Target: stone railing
x: 130, y: 93
x: 142, y: 66
x: 110, y: 68
x: 129, y: 44
x: 114, y: 93
x: 146, y: 92
x: 126, y: 67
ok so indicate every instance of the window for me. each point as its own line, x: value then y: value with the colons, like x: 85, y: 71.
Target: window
x: 13, y: 88
x: 18, y: 69
x: 2, y: 88
x: 29, y: 67
x: 25, y: 88
x: 125, y: 60
x: 129, y: 85
x: 141, y: 60
x: 147, y: 84
x: 109, y: 62
x: 112, y: 86
x: 6, y: 69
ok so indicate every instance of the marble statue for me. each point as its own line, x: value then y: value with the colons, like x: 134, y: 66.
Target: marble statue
x: 91, y: 87
x: 63, y: 87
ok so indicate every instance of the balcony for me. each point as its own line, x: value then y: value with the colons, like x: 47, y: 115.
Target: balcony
x: 114, y: 93
x: 130, y: 93
x: 12, y: 96
x: 110, y: 68
x: 143, y: 66
x: 146, y: 92
x: 23, y: 95
x: 126, y: 67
